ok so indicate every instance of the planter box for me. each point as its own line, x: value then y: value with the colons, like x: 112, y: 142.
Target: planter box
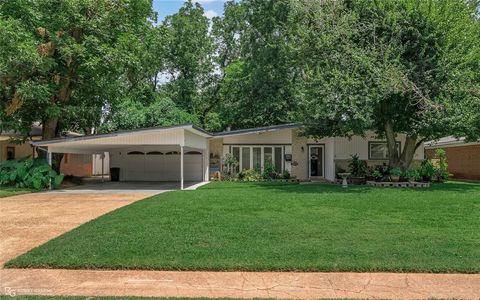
x: 410, y: 184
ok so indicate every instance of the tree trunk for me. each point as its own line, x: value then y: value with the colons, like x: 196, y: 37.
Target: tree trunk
x: 400, y: 158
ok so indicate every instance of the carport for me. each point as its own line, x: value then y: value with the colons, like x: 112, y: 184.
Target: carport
x: 175, y: 153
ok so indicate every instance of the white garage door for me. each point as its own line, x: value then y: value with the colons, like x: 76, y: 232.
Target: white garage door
x: 160, y: 166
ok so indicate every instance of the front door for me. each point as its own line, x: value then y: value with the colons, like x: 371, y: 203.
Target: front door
x: 316, y: 157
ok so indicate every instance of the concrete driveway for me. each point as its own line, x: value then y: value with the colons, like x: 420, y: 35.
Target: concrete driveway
x: 27, y: 221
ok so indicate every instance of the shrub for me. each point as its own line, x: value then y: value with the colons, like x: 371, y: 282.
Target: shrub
x: 358, y: 167
x: 377, y: 175
x: 286, y: 175
x: 269, y: 171
x: 250, y: 175
x: 442, y: 170
x: 230, y: 164
x: 29, y: 173
x: 412, y: 175
x: 396, y: 172
x: 427, y: 170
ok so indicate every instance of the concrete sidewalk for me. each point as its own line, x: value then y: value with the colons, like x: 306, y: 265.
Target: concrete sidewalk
x: 239, y: 284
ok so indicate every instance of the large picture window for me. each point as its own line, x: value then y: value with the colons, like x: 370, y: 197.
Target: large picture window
x: 258, y: 156
x: 379, y: 150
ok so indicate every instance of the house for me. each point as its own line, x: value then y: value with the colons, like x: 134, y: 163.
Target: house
x: 189, y: 153
x: 12, y: 147
x: 463, y: 158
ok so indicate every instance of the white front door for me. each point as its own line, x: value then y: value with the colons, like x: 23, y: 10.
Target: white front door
x: 316, y: 161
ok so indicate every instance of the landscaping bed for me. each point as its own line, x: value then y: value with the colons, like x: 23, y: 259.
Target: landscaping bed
x: 279, y: 227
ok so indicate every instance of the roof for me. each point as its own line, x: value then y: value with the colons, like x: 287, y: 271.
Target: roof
x: 448, y: 141
x: 119, y: 133
x: 256, y: 130
x: 35, y: 130
x: 190, y: 126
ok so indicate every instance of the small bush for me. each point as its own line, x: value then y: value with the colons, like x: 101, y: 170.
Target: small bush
x: 269, y: 172
x: 286, y: 175
x: 29, y: 173
x: 250, y: 175
x: 442, y: 170
x: 358, y: 167
x: 427, y: 170
x: 412, y: 175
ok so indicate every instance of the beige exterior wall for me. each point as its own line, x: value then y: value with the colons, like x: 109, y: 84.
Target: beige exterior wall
x: 21, y: 150
x: 345, y: 147
x: 300, y: 155
x: 216, y: 155
x: 283, y: 136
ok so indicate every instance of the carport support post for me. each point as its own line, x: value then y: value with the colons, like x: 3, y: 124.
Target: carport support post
x: 181, y: 167
x: 49, y: 160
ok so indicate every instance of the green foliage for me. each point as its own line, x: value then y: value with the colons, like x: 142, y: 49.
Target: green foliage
x: 442, y: 170
x: 29, y: 173
x: 229, y: 167
x: 250, y: 175
x: 269, y: 171
x: 393, y: 67
x: 427, y: 170
x: 412, y: 175
x: 377, y: 175
x: 358, y: 167
x: 396, y: 172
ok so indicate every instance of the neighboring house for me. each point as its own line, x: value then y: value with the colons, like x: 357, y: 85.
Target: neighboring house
x: 72, y: 164
x: 189, y: 153
x: 463, y: 158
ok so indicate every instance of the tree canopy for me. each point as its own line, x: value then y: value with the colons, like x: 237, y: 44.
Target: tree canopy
x: 339, y: 67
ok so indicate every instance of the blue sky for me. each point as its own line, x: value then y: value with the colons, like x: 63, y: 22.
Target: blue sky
x: 168, y: 7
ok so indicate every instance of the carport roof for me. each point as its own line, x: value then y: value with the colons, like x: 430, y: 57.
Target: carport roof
x: 189, y: 127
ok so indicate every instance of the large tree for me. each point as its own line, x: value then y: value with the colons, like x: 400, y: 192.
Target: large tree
x: 393, y: 67
x: 75, y: 70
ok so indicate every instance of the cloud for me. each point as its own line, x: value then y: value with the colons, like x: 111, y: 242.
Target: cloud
x: 210, y: 14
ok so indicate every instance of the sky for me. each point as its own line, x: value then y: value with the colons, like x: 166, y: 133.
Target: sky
x: 168, y: 7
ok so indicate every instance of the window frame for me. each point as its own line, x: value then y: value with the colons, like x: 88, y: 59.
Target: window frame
x: 399, y: 147
x: 262, y: 155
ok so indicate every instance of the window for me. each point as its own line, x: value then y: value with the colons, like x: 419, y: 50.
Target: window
x: 135, y: 153
x: 257, y: 157
x: 10, y: 153
x: 267, y: 156
x: 236, y: 154
x: 193, y: 153
x: 154, y: 153
x: 379, y: 150
x: 278, y: 159
x: 245, y: 158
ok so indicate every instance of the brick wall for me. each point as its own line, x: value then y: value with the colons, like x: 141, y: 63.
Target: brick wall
x: 463, y: 161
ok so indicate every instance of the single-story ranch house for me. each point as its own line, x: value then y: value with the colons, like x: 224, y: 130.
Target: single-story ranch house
x: 189, y: 153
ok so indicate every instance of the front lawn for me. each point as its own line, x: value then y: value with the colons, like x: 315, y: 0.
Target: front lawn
x: 11, y: 191
x: 286, y: 227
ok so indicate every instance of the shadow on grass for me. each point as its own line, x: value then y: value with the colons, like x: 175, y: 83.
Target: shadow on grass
x: 457, y: 187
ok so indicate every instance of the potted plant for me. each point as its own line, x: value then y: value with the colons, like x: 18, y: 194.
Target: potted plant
x: 412, y: 175
x: 395, y: 174
x: 377, y: 175
x: 427, y: 170
x: 358, y: 170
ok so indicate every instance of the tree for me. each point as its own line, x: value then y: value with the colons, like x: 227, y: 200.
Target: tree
x: 409, y: 67
x: 76, y: 70
x: 257, y: 87
x: 188, y: 58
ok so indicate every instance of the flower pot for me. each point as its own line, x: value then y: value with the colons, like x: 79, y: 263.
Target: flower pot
x: 395, y: 178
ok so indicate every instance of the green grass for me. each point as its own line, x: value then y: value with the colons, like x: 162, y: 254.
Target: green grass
x: 287, y: 227
x: 11, y: 191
